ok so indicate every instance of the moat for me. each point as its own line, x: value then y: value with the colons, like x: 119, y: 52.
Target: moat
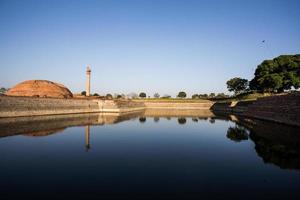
x: 155, y: 153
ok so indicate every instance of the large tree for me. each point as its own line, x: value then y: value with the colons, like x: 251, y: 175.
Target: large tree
x: 281, y: 73
x: 237, y: 85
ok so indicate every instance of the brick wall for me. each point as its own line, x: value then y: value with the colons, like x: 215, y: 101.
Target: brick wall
x: 282, y: 108
x: 29, y: 106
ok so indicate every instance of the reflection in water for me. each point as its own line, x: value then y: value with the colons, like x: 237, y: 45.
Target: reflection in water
x: 124, y: 161
x: 46, y: 125
x: 237, y: 133
x: 142, y: 119
x: 194, y: 119
x: 275, y: 143
x: 286, y: 157
x: 87, y: 137
x: 181, y: 120
x: 212, y: 120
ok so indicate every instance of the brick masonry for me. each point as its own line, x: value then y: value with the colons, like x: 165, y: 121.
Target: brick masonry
x: 282, y: 108
x: 31, y: 106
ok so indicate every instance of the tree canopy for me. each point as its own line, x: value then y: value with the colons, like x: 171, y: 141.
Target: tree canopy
x: 281, y: 73
x: 143, y: 95
x: 237, y: 85
x: 156, y: 95
x: 109, y: 96
x: 181, y: 94
x: 3, y: 90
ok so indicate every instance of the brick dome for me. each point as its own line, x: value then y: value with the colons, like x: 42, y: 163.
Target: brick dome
x: 40, y: 88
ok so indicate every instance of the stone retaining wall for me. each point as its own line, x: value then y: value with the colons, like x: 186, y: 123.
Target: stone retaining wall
x: 283, y: 108
x: 30, y: 106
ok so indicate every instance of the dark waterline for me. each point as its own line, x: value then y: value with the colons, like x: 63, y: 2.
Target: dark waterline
x: 185, y: 154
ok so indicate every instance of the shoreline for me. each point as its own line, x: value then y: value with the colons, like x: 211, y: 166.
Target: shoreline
x: 280, y: 109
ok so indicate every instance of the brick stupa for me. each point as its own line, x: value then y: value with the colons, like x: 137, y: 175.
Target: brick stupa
x: 40, y: 88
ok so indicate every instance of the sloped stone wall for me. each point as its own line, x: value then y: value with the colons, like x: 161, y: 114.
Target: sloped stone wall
x: 283, y: 108
x: 30, y: 106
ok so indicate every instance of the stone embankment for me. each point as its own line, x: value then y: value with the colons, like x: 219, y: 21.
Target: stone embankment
x: 283, y: 108
x: 33, y: 106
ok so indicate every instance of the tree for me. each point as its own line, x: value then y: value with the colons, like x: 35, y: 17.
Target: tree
x: 132, y: 95
x: 212, y: 95
x: 156, y: 95
x: 3, y: 90
x: 181, y: 94
x: 109, y: 96
x: 237, y: 85
x: 96, y: 95
x: 143, y: 95
x: 203, y: 96
x: 83, y: 93
x: 195, y: 96
x: 281, y: 73
x: 221, y: 95
x: 272, y: 82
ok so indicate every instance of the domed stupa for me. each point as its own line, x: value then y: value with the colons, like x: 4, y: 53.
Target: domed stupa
x: 40, y: 88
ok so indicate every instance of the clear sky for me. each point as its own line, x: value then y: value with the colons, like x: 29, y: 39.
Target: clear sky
x: 144, y: 45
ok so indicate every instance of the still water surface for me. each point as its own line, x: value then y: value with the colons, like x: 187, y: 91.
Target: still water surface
x: 185, y: 154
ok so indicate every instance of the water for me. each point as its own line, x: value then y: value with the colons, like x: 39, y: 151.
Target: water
x: 151, y: 154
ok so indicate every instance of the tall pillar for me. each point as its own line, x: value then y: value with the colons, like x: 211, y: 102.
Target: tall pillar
x: 88, y: 81
x: 87, y: 137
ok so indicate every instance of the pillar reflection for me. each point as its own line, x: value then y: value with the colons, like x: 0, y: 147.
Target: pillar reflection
x: 87, y: 137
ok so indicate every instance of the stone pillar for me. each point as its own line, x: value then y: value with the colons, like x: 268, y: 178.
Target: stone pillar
x: 87, y: 137
x: 88, y: 81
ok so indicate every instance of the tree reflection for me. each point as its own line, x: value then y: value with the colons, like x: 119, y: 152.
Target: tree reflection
x: 283, y: 155
x: 237, y: 133
x: 142, y: 119
x: 156, y: 119
x: 194, y: 119
x: 181, y: 120
x: 212, y: 120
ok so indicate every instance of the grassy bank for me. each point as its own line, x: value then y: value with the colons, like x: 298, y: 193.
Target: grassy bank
x: 173, y: 100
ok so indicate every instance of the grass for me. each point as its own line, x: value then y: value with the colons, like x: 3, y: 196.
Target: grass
x: 174, y: 100
x: 242, y: 97
x: 245, y: 97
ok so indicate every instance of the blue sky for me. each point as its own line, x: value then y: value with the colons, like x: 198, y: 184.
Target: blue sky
x: 143, y: 45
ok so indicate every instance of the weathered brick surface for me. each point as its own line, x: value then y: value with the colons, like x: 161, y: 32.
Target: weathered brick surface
x: 283, y: 108
x: 30, y: 106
